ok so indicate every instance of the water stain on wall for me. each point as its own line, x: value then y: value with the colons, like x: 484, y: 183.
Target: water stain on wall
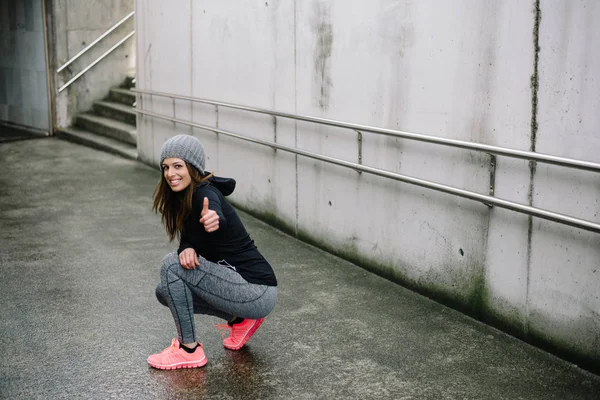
x: 324, y: 37
x: 394, y: 28
x: 483, y: 97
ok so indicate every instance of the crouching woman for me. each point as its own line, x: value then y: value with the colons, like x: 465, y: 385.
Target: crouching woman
x: 217, y: 269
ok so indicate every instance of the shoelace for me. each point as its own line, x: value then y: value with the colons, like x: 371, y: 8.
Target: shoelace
x: 174, y: 345
x: 223, y: 328
x: 172, y: 348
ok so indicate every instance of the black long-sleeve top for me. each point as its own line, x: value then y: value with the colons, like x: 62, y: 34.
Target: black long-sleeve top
x: 230, y: 245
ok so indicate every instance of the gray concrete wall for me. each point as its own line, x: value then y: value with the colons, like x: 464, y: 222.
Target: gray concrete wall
x: 23, y: 69
x: 460, y: 69
x: 75, y: 24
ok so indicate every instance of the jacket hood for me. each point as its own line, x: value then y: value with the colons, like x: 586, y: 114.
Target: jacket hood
x: 225, y: 185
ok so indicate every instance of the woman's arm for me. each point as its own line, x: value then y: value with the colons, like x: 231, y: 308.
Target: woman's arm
x: 183, y: 244
x: 187, y: 255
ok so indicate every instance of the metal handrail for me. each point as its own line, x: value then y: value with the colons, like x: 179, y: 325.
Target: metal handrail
x: 66, y: 85
x: 510, y: 205
x: 105, y: 34
x: 514, y: 153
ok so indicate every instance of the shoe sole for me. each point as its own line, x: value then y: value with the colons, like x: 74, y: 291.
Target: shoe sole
x: 253, y: 329
x: 195, y: 364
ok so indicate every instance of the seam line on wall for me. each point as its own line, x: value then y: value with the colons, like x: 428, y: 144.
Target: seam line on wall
x: 296, y: 112
x: 532, y: 164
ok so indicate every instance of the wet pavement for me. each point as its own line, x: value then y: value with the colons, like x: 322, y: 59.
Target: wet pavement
x: 79, y: 259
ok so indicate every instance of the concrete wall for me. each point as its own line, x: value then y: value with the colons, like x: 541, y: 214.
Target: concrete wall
x: 23, y: 70
x: 73, y: 25
x: 460, y: 69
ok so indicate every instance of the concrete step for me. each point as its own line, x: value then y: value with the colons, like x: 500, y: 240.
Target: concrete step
x: 129, y: 82
x: 98, y: 142
x: 118, y: 111
x: 122, y: 95
x: 125, y: 133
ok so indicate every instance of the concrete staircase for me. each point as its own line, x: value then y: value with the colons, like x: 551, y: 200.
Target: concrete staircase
x: 111, y: 124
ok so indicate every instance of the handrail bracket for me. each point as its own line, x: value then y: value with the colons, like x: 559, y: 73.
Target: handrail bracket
x: 492, y: 178
x: 360, y: 140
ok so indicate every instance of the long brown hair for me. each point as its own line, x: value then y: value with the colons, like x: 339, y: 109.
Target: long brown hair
x: 176, y: 206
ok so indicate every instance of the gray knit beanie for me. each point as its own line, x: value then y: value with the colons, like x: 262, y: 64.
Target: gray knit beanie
x: 186, y: 147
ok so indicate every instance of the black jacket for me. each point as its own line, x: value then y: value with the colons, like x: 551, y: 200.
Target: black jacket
x: 230, y: 245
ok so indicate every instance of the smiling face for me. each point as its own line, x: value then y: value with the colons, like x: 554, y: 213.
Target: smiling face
x: 176, y: 174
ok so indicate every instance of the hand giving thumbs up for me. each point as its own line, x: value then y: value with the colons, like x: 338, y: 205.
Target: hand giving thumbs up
x: 209, y: 218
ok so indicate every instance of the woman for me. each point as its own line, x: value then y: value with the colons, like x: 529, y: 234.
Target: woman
x: 217, y: 269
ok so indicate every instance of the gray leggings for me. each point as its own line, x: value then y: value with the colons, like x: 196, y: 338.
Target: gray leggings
x: 211, y: 289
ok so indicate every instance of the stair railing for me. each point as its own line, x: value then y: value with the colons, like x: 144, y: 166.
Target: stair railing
x: 88, y: 47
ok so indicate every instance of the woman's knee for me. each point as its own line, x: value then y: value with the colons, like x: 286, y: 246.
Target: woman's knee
x: 168, y: 261
x: 161, y: 295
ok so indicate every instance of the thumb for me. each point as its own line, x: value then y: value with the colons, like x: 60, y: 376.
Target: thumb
x: 205, y: 206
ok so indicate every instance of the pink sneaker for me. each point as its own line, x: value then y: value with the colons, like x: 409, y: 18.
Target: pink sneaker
x: 240, y: 333
x: 174, y: 357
